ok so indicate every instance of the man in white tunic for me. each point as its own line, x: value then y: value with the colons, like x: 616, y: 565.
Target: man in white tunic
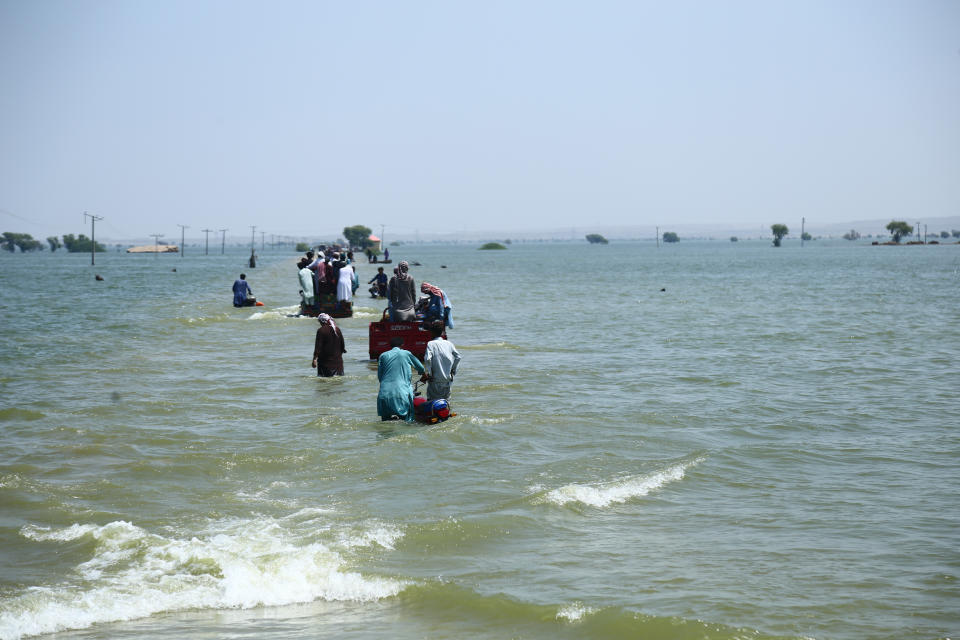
x: 440, y: 364
x: 345, y: 284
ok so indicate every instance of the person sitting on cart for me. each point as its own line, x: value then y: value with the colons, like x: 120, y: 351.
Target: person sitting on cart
x: 402, y: 294
x: 438, y: 307
x: 379, y: 288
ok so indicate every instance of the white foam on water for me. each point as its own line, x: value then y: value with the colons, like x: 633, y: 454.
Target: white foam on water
x: 12, y: 481
x: 41, y: 534
x: 383, y: 535
x: 235, y: 564
x: 606, y: 493
x: 486, y: 421
x: 573, y: 612
x: 294, y: 308
x: 270, y: 314
x: 263, y: 496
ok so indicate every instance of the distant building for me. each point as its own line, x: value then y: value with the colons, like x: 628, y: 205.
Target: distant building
x: 155, y: 248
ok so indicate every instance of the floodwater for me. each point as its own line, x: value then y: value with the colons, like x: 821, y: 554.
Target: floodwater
x: 702, y: 440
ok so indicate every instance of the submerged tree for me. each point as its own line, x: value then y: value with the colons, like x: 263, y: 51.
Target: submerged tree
x: 779, y: 230
x: 851, y: 235
x: 10, y: 241
x: 357, y: 236
x: 54, y: 243
x: 596, y: 238
x: 670, y: 236
x: 898, y: 229
x: 80, y: 244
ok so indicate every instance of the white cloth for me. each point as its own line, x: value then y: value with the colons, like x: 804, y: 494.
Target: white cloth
x: 345, y: 283
x: 441, y: 359
x: 306, y: 285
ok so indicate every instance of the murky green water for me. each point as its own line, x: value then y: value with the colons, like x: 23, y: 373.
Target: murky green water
x: 766, y: 448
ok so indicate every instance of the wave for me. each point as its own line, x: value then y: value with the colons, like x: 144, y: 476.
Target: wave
x: 133, y: 573
x: 276, y: 312
x: 11, y: 414
x: 490, y: 345
x: 467, y: 613
x: 604, y: 494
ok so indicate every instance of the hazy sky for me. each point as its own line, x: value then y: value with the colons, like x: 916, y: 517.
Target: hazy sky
x: 304, y: 117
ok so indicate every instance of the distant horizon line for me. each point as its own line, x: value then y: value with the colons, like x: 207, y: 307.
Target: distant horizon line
x: 866, y: 227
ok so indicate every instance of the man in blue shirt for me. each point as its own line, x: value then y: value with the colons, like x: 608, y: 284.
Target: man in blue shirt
x: 395, y: 399
x: 242, y: 295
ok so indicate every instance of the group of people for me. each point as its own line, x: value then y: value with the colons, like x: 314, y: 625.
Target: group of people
x: 440, y: 363
x: 395, y: 399
x: 322, y: 274
x: 372, y: 256
x: 402, y: 302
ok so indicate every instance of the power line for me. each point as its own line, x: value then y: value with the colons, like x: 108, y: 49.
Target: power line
x: 182, y: 245
x: 156, y: 242
x: 93, y: 236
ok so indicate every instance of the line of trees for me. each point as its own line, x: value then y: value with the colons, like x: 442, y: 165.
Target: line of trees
x: 25, y: 242
x: 11, y: 241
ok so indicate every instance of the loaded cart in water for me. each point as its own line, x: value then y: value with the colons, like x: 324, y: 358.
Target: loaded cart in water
x: 317, y: 298
x: 415, y: 336
x: 328, y: 304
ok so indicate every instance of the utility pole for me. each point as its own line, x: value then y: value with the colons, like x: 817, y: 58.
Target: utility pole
x: 658, y: 237
x: 93, y: 237
x: 156, y: 242
x: 382, y: 245
x: 206, y: 248
x: 262, y: 239
x: 924, y: 233
x: 223, y: 239
x: 182, y: 246
x: 253, y: 237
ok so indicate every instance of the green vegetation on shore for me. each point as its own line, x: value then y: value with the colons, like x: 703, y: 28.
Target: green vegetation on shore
x: 492, y: 245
